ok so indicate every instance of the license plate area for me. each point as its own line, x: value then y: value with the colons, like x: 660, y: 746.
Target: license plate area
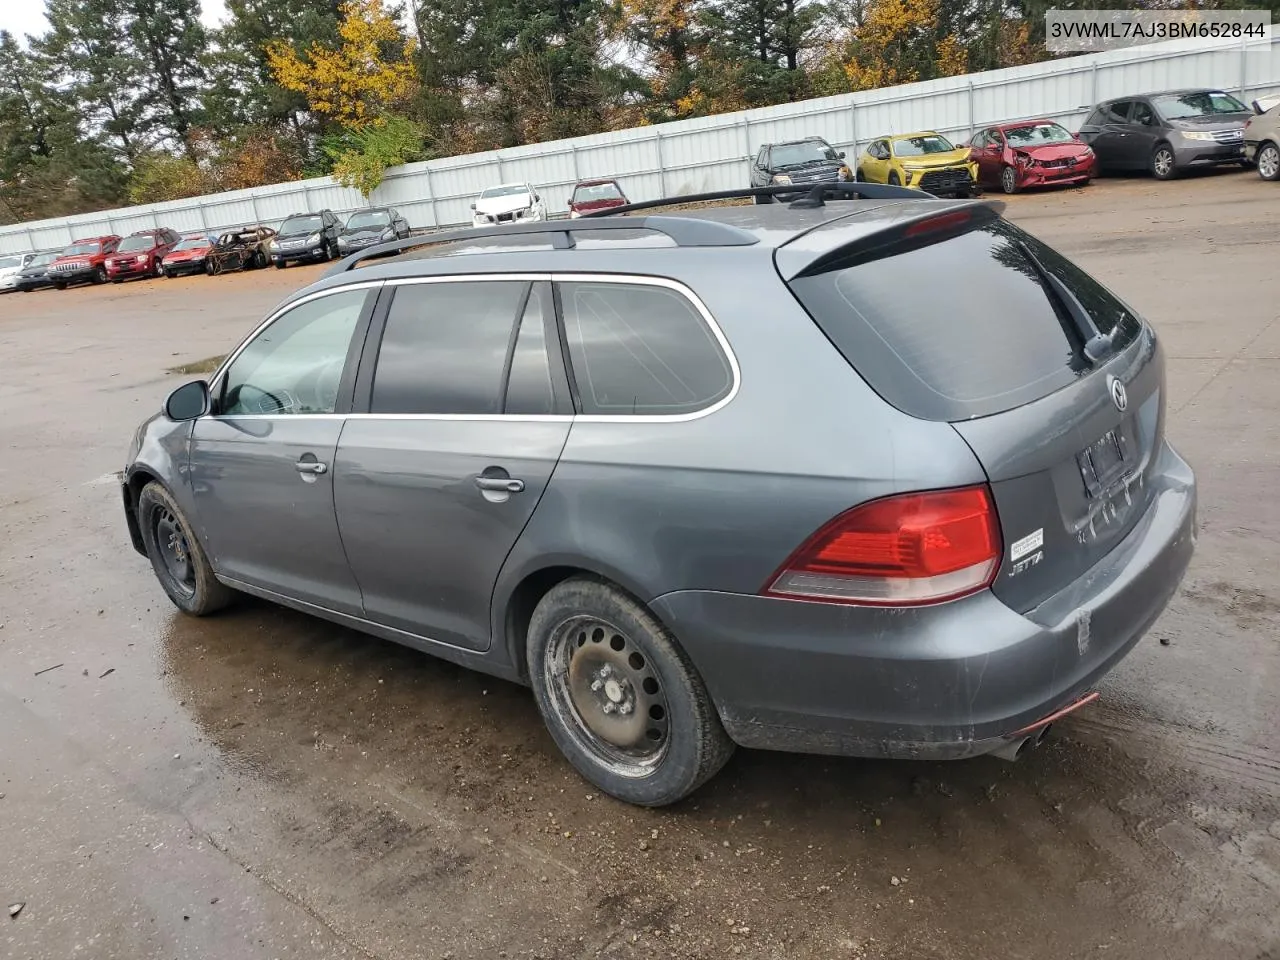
x: 1103, y: 462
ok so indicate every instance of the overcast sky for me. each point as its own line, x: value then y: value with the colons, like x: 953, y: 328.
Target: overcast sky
x: 21, y: 17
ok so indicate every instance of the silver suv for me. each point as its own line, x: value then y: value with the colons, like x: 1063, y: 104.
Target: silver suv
x: 877, y: 477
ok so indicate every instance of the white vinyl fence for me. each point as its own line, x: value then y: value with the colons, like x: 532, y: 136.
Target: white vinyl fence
x: 710, y: 153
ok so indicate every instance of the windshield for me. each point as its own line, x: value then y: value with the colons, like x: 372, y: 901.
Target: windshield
x: 594, y: 192
x: 193, y: 243
x: 42, y: 259
x: 8, y: 263
x: 1036, y: 134
x: 920, y: 146
x: 144, y: 242
x: 509, y: 190
x: 81, y: 249
x: 1203, y: 103
x: 296, y: 226
x: 368, y: 220
x: 794, y: 154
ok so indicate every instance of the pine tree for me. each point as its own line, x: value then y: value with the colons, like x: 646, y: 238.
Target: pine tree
x: 170, y: 43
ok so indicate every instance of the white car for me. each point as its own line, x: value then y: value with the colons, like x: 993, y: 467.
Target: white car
x: 10, y: 267
x: 508, y: 203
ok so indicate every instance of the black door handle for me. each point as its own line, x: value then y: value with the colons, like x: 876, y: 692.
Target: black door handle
x: 500, y: 484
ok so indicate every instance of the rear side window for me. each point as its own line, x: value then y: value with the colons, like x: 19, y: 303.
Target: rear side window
x: 915, y: 328
x: 641, y: 349
x: 529, y: 385
x: 445, y: 346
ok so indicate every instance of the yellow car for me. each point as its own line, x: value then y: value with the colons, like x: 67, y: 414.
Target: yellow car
x: 927, y: 161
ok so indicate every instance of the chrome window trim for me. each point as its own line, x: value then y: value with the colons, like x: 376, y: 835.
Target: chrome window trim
x: 615, y: 278
x: 276, y: 314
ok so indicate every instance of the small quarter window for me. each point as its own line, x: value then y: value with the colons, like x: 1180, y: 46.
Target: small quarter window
x: 641, y: 349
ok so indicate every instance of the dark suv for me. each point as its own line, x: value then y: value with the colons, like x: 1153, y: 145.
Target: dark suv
x: 809, y: 161
x: 729, y: 476
x: 1167, y: 133
x: 306, y: 237
x: 141, y: 254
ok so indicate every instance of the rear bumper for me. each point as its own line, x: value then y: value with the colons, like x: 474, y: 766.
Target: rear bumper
x: 943, y: 682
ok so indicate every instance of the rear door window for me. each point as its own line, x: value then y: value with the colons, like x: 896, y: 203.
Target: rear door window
x: 913, y: 327
x: 444, y: 347
x: 640, y: 349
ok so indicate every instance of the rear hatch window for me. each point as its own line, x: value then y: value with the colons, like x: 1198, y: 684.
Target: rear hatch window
x: 962, y: 327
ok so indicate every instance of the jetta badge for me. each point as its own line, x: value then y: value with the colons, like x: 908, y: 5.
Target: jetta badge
x: 1118, y: 395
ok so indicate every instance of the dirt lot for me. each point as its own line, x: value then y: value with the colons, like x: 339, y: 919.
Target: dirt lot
x: 265, y: 785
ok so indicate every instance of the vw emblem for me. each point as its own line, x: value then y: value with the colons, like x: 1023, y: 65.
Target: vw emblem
x: 1118, y: 395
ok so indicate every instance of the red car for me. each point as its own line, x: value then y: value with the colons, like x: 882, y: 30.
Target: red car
x: 1031, y: 153
x: 83, y: 261
x: 592, y: 195
x: 189, y: 256
x: 141, y: 254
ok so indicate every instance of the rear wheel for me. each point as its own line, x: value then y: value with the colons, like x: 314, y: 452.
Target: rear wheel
x: 1269, y: 161
x: 176, y: 556
x: 157, y: 269
x: 100, y: 274
x: 619, y: 696
x: 1164, y: 165
x: 1009, y: 180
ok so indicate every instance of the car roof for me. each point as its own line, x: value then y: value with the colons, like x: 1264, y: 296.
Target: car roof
x: 369, y: 210
x: 787, y: 143
x: 1014, y: 124
x: 792, y: 238
x: 908, y: 136
x: 105, y: 236
x: 597, y: 182
x: 516, y: 183
x: 1167, y: 93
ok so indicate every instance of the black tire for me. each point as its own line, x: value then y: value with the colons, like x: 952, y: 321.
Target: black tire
x: 178, y: 559
x: 100, y: 274
x: 117, y: 280
x: 1164, y: 164
x: 259, y: 259
x: 280, y: 264
x: 169, y: 274
x: 1268, y: 161
x: 1008, y: 179
x: 59, y: 286
x: 893, y: 179
x: 158, y: 269
x: 655, y: 678
x: 860, y: 177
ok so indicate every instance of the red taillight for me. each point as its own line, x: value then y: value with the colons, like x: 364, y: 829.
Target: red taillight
x: 934, y: 224
x: 901, y: 551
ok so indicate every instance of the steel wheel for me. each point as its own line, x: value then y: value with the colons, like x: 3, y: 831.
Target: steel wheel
x: 1269, y: 162
x: 158, y: 269
x: 175, y: 550
x: 1162, y: 163
x: 607, y: 695
x: 1009, y: 180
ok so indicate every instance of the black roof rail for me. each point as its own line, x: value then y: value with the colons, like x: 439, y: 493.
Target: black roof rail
x: 684, y: 231
x: 815, y: 195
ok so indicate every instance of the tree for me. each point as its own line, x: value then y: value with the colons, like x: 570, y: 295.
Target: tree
x: 170, y: 44
x: 47, y: 168
x: 88, y: 44
x: 366, y: 75
x: 666, y: 36
x: 363, y: 162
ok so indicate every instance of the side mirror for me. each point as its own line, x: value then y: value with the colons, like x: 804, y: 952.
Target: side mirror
x: 189, y: 401
x: 840, y: 155
x: 473, y: 206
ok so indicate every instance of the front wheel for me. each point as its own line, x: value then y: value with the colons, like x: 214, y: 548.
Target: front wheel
x: 621, y: 699
x: 59, y: 286
x: 893, y: 179
x: 1269, y: 161
x: 1164, y: 165
x: 860, y: 177
x: 1009, y: 180
x: 280, y: 264
x: 176, y: 556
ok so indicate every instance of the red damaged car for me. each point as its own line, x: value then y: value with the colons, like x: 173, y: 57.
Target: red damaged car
x: 141, y: 254
x: 592, y: 195
x: 1031, y: 153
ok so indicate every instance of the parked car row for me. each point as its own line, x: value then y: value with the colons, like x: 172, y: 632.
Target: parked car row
x: 163, y: 252
x: 1165, y: 133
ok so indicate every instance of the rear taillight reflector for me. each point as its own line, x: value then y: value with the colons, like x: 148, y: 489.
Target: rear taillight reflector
x: 946, y: 221
x: 900, y: 551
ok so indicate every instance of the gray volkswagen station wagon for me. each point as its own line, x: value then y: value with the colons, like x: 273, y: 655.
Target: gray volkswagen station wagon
x: 883, y: 476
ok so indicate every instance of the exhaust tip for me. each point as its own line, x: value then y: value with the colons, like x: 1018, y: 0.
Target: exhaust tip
x: 1043, y: 735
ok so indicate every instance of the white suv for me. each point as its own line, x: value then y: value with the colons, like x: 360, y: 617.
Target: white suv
x: 508, y: 203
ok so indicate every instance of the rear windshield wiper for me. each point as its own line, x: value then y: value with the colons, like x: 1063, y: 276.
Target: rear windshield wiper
x: 1096, y: 346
